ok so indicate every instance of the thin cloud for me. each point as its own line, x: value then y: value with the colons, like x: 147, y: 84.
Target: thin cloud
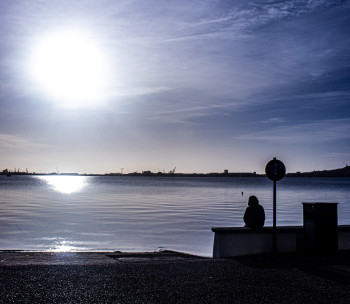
x: 316, y: 131
x: 239, y: 23
x: 140, y: 91
x: 9, y: 141
x: 272, y: 120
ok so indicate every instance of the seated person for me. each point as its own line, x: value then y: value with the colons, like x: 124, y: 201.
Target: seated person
x: 254, y: 216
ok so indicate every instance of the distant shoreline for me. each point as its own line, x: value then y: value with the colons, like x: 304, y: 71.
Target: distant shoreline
x: 343, y: 172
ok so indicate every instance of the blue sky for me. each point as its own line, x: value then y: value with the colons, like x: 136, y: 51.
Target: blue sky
x: 200, y: 85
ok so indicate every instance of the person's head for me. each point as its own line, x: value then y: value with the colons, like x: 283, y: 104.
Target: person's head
x: 253, y: 201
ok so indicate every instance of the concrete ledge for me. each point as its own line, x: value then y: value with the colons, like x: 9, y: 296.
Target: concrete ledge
x: 237, y: 241
x: 242, y: 230
x: 344, y: 237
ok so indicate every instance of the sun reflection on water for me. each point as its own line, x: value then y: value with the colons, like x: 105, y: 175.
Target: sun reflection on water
x: 65, y: 184
x: 62, y: 245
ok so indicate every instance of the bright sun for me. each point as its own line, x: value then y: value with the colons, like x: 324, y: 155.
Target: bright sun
x: 70, y: 68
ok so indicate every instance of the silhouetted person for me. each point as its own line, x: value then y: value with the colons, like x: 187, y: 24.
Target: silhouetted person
x: 254, y: 216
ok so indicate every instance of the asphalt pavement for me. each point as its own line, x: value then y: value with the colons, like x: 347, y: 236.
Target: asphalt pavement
x: 170, y: 277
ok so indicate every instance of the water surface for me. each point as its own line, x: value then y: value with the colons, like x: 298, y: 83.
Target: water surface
x: 127, y: 213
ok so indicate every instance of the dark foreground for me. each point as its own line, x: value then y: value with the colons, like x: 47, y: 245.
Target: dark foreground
x: 172, y: 278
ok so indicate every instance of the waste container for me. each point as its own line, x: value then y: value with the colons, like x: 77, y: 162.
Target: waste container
x: 320, y: 227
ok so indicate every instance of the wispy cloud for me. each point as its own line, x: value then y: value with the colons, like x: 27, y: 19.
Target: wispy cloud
x: 10, y: 141
x: 140, y: 91
x: 272, y: 120
x: 315, y: 131
x: 239, y: 23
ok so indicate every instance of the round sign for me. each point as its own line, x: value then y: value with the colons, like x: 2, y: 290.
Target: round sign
x: 275, y: 170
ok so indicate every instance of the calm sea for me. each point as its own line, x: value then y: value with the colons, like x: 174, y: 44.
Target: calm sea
x: 78, y: 213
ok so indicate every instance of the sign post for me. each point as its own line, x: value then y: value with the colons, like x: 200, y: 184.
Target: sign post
x: 275, y: 170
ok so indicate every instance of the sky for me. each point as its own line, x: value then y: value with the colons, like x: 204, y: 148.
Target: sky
x: 203, y: 86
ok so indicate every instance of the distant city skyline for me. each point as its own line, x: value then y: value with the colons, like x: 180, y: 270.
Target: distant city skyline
x: 97, y: 86
x: 337, y: 172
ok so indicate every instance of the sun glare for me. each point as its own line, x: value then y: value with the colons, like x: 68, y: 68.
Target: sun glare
x: 70, y: 67
x: 62, y: 245
x: 65, y: 184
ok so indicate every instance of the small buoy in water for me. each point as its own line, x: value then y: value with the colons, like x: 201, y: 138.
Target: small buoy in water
x: 242, y: 193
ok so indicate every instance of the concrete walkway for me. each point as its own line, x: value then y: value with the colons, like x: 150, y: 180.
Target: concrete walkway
x: 168, y: 277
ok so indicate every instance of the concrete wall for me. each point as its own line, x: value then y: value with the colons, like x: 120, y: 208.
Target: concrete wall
x: 226, y: 245
x: 234, y: 241
x: 344, y: 237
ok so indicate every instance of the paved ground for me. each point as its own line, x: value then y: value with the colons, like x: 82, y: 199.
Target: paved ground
x: 172, y: 278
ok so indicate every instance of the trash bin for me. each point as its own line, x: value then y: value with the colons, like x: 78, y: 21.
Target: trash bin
x: 320, y: 227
